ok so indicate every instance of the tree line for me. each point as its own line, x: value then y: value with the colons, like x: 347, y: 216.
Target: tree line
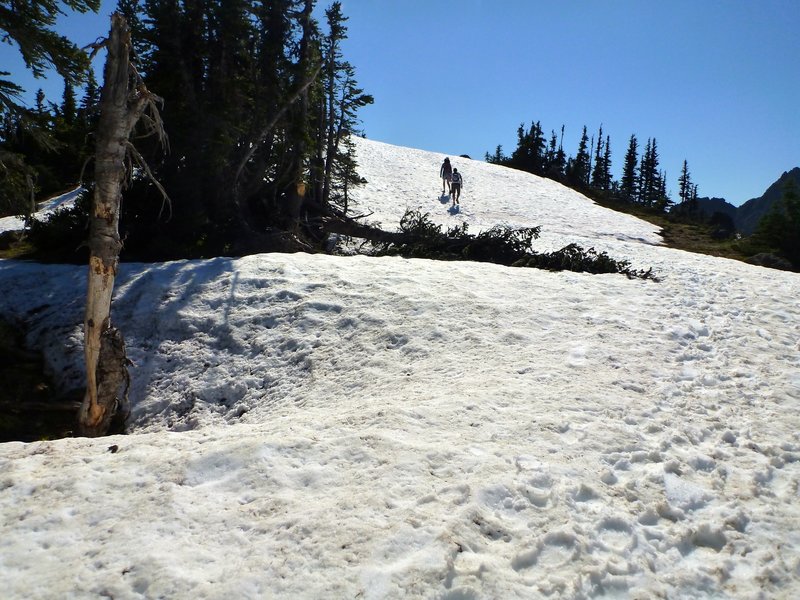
x: 589, y: 170
x: 258, y: 102
x: 775, y: 242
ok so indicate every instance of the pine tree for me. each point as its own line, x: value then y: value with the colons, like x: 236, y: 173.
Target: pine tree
x: 559, y: 167
x: 607, y: 165
x: 597, y: 177
x: 686, y: 188
x: 578, y: 169
x: 343, y: 99
x: 69, y: 109
x: 498, y: 158
x: 552, y: 148
x: 257, y: 125
x: 779, y: 230
x: 88, y: 111
x: 629, y: 184
x: 530, y: 154
x: 601, y: 173
x: 650, y: 183
x: 30, y: 24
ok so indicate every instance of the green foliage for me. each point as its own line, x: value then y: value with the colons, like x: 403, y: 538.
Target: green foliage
x: 60, y: 237
x: 424, y: 239
x: 575, y: 258
x: 501, y: 245
x: 40, y: 150
x: 779, y: 230
x: 30, y: 24
x: 16, y: 184
x: 258, y: 106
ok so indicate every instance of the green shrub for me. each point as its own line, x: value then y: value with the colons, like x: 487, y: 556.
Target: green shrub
x: 501, y: 245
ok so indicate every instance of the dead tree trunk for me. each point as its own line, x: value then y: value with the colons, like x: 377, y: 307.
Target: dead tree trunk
x: 123, y: 100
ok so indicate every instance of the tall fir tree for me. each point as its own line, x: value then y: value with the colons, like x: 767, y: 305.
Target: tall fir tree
x: 685, y: 186
x: 629, y: 183
x: 256, y: 125
x: 579, y: 167
x: 607, y: 180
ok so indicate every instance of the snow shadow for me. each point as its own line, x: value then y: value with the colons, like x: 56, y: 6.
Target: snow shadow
x: 165, y: 309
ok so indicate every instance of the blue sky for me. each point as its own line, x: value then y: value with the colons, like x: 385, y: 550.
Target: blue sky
x: 714, y: 81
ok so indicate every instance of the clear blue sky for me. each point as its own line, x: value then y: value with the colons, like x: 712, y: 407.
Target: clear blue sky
x: 716, y: 82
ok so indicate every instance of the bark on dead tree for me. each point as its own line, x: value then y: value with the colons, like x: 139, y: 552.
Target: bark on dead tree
x: 123, y: 101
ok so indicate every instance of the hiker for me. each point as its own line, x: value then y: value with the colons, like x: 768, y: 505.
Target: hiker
x: 455, y: 186
x: 445, y: 172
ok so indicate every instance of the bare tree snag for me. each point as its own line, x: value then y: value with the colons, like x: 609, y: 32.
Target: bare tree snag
x: 123, y: 100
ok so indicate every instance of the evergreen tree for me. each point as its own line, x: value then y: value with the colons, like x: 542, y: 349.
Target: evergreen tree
x: 629, y: 183
x: 606, y: 183
x: 30, y: 24
x: 650, y: 182
x: 579, y: 167
x: 685, y: 187
x: 661, y: 200
x: 601, y: 173
x: 598, y: 177
x: 530, y: 152
x: 779, y: 230
x: 559, y: 166
x: 498, y: 158
x: 88, y: 111
x: 552, y: 149
x: 258, y: 104
x: 344, y: 98
x: 68, y: 106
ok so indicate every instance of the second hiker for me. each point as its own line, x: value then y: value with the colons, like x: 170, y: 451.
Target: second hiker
x: 455, y: 186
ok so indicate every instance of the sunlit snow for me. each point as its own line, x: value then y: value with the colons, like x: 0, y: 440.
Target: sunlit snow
x: 312, y: 426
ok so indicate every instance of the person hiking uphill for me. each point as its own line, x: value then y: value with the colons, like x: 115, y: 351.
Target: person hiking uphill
x: 445, y: 172
x: 455, y: 186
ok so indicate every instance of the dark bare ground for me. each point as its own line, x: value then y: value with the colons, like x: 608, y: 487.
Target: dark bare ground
x: 30, y: 408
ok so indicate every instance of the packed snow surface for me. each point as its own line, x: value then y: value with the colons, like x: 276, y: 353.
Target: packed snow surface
x: 351, y: 427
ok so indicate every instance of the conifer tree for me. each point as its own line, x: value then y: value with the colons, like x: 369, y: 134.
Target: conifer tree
x: 629, y: 183
x: 499, y: 157
x: 607, y: 165
x: 779, y: 230
x: 30, y: 24
x: 686, y: 188
x: 530, y: 154
x: 597, y: 172
x: 68, y: 111
x: 650, y: 183
x: 256, y: 119
x: 558, y: 168
x: 88, y: 110
x: 343, y: 99
x: 579, y: 167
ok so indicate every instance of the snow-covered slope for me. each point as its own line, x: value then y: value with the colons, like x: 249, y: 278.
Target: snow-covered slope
x: 63, y: 200
x: 403, y: 178
x: 333, y: 427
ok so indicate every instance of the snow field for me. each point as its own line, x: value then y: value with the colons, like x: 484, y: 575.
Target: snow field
x: 327, y: 427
